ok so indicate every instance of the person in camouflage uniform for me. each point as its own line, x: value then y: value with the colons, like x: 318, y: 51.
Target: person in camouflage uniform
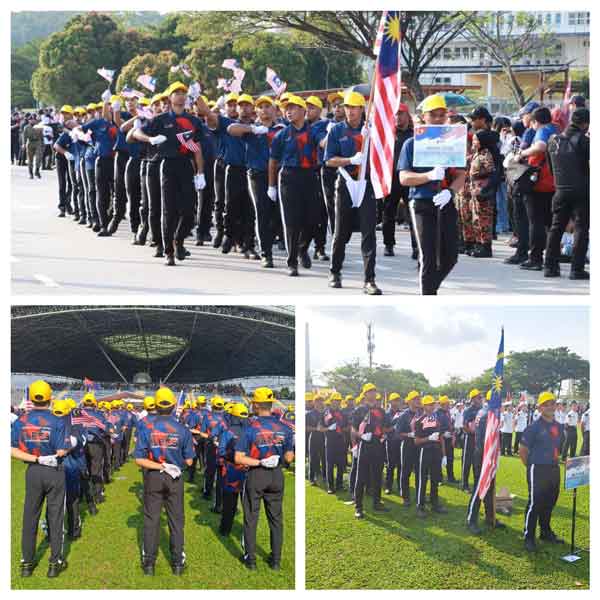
x: 33, y: 140
x: 463, y: 206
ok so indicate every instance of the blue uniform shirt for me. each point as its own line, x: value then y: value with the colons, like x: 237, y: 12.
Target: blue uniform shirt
x: 319, y: 128
x: 470, y: 414
x: 166, y: 441
x: 296, y: 148
x: 258, y: 147
x: 265, y: 436
x: 405, y: 163
x: 212, y: 422
x: 40, y: 433
x: 104, y: 135
x: 233, y: 148
x: 543, y: 133
x: 344, y: 141
x: 542, y: 439
x: 527, y: 138
x: 169, y: 124
x: 233, y: 475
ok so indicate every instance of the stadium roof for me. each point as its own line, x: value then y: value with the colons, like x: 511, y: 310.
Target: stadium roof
x: 184, y: 344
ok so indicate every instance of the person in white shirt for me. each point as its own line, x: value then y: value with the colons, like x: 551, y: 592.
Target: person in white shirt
x: 572, y: 421
x: 585, y: 431
x: 520, y: 424
x: 458, y: 424
x: 506, y: 429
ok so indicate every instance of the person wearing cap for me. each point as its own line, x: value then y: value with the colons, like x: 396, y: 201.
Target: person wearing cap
x: 335, y: 425
x: 370, y: 435
x: 257, y: 138
x: 469, y: 415
x: 88, y: 177
x: 434, y: 215
x: 163, y: 451
x: 316, y: 441
x: 176, y: 133
x: 540, y: 453
x: 430, y: 448
x: 114, y: 417
x: 569, y: 161
x: 264, y: 447
x: 192, y: 420
x: 62, y: 163
x: 343, y: 150
x: 447, y: 434
x: 392, y: 443
x: 292, y: 178
x: 575, y: 102
x: 404, y: 426
x: 41, y: 440
x: 33, y: 141
x: 212, y: 421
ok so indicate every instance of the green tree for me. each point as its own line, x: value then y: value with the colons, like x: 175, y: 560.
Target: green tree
x: 23, y: 62
x: 156, y: 65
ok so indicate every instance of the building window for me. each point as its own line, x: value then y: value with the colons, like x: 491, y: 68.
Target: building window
x: 473, y: 53
x: 457, y: 53
x: 580, y: 18
x: 586, y: 43
x: 540, y: 18
x: 465, y: 53
x: 447, y: 53
x: 548, y: 18
x: 558, y: 18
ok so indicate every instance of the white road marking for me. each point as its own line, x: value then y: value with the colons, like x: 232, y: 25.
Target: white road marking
x: 47, y: 281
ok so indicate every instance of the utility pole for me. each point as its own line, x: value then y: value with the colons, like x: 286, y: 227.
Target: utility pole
x: 370, y: 343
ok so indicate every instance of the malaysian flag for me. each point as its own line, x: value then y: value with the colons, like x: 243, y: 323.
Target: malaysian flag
x: 230, y: 63
x: 27, y: 404
x: 128, y: 92
x: 84, y: 418
x: 107, y: 74
x: 180, y: 402
x: 223, y: 84
x: 147, y: 81
x: 386, y: 100
x: 491, y: 446
x: 275, y: 82
x: 185, y: 139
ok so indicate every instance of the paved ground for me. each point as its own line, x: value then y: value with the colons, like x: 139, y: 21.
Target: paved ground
x: 56, y: 256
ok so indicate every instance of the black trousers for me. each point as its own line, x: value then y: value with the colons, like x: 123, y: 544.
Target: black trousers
x: 64, y: 182
x: 107, y: 462
x: 210, y: 468
x: 369, y: 471
x: 219, y: 184
x: 521, y: 224
x: 564, y: 206
x: 133, y: 189
x: 77, y: 194
x: 347, y: 219
x: 335, y: 459
x: 178, y: 199
x: 239, y: 216
x: 429, y: 468
x: 316, y: 455
x: 88, y: 179
x: 467, y: 458
x: 144, y: 227
x: 570, y: 447
x: 264, y: 485
x: 43, y: 483
x: 543, y: 483
x: 104, y: 186
x: 518, y: 435
x: 120, y: 196
x: 230, y: 502
x: 488, y: 499
x: 408, y: 464
x: 328, y: 177
x: 320, y: 231
x: 506, y: 440
x: 153, y: 190
x: 206, y: 201
x: 585, y: 446
x: 449, y: 447
x: 392, y: 463
x: 116, y: 454
x: 436, y: 233
x: 94, y: 454
x: 299, y: 210
x: 539, y: 217
x: 160, y: 489
x: 265, y: 210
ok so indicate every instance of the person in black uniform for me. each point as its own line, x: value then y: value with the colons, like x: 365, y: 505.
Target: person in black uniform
x: 447, y: 435
x: 569, y: 161
x: 265, y: 446
x: 62, y: 165
x: 469, y: 436
x: 176, y: 132
x: 539, y: 452
x: 41, y: 440
x: 316, y: 441
x: 404, y: 425
x: 392, y: 443
x: 432, y: 458
x: 335, y: 425
x: 370, y: 453
x: 163, y: 451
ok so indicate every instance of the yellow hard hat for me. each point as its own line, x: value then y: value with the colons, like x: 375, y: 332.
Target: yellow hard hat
x: 201, y: 400
x: 354, y: 99
x: 239, y: 410
x: 90, y: 106
x: 359, y: 399
x: 174, y: 87
x: 433, y: 102
x: 89, y: 399
x: 335, y: 397
x: 158, y: 97
x: 187, y: 404
x: 115, y: 404
x: 545, y: 397
x: 104, y: 405
x: 66, y: 108
x: 368, y: 387
x: 331, y: 98
x: 427, y: 400
x: 99, y: 105
x: 79, y: 110
x: 72, y: 403
x: 129, y: 406
x: 291, y: 407
x: 315, y: 101
x: 217, y: 402
x: 263, y: 100
x: 285, y: 97
x: 349, y: 398
x: 393, y: 396
x: 245, y: 98
x: 231, y: 97
x: 411, y: 396
x: 444, y: 400
x: 149, y: 403
x: 263, y: 394
x: 228, y: 406
x: 144, y: 101
x: 114, y: 98
x: 61, y: 408
x: 211, y: 104
x: 40, y: 392
x: 309, y: 396
x: 164, y: 397
x: 474, y: 393
x: 297, y: 101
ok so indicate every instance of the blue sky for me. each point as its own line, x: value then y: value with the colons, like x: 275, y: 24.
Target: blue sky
x: 442, y: 340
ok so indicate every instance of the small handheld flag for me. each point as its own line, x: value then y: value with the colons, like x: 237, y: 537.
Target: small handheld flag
x: 194, y: 90
x: 147, y: 81
x: 230, y: 63
x: 107, y: 74
x: 128, y: 92
x: 185, y: 139
x: 277, y: 85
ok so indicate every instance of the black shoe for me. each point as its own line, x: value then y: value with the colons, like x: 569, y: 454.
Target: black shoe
x: 436, y: 508
x: 159, y: 253
x: 250, y: 564
x: 293, y: 271
x: 552, y: 271
x: 466, y: 489
x: 371, y: 289
x: 27, y: 569
x: 482, y: 251
x: 113, y: 225
x: 216, y: 509
x: 76, y: 217
x: 380, y: 508
x: 274, y: 563
x: 218, y: 239
x: 178, y: 569
x: 515, y: 259
x: 30, y: 176
x: 421, y: 513
x: 551, y: 537
x: 227, y: 245
x: 405, y: 502
x: 134, y: 241
x: 180, y: 252
x: 82, y: 221
x: 267, y: 262
x: 530, y: 545
x: 335, y: 280
x: 321, y: 255
x: 104, y: 233
x: 359, y: 514
x: 305, y: 260
x: 206, y: 237
x: 499, y: 525
x: 474, y: 528
x: 69, y: 209
x: 96, y: 227
x: 61, y: 214
x: 281, y: 245
x: 148, y: 568
x: 579, y: 275
x: 531, y: 265
x: 38, y: 175
x: 199, y: 242
x: 92, y: 509
x: 74, y: 536
x: 415, y: 255
x: 54, y: 569
x: 389, y: 251
x: 170, y: 262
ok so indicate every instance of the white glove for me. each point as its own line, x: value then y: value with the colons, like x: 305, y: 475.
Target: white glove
x: 271, y: 462
x: 332, y: 427
x: 436, y: 174
x: 106, y: 96
x: 354, y: 451
x: 73, y: 440
x: 172, y: 470
x: 199, y: 181
x: 116, y: 105
x: 356, y: 159
x: 441, y: 199
x: 158, y: 139
x: 272, y: 193
x: 364, y: 131
x: 259, y: 130
x: 69, y: 156
x: 447, y: 434
x: 48, y: 461
x: 411, y: 434
x: 444, y: 462
x: 434, y: 437
x: 330, y: 126
x: 366, y: 437
x: 114, y: 436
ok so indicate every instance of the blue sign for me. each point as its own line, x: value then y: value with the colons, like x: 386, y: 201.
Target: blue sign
x: 440, y: 146
x: 577, y: 472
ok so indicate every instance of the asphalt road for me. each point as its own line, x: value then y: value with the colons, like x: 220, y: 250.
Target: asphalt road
x: 56, y: 256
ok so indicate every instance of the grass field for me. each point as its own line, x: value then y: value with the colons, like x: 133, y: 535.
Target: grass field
x: 396, y: 550
x: 107, y: 556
